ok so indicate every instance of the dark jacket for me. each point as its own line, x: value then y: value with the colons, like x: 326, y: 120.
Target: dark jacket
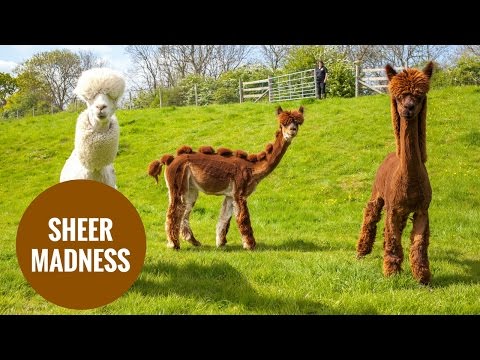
x: 321, y: 73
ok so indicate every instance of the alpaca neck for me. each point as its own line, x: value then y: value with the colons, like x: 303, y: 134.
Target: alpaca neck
x: 99, y: 124
x: 410, y: 159
x: 265, y: 167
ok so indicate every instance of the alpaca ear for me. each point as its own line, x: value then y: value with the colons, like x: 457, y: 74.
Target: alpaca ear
x: 396, y: 124
x: 279, y: 110
x: 390, y: 72
x: 422, y: 130
x: 300, y: 109
x: 428, y: 70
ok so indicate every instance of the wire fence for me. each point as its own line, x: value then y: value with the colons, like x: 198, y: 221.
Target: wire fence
x: 208, y: 91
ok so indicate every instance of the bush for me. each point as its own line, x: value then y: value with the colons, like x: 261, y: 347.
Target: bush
x: 341, y: 72
x: 341, y: 79
x: 206, y: 87
x: 228, y: 84
x: 466, y: 71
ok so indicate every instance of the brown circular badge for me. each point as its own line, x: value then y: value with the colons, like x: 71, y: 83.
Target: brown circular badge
x: 81, y: 244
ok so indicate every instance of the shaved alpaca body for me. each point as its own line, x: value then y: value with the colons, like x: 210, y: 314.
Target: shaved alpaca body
x: 233, y: 174
x: 402, y: 185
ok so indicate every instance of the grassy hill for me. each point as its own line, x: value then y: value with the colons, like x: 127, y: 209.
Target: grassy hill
x: 306, y: 215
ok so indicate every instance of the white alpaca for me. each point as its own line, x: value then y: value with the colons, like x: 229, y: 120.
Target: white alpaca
x: 97, y: 131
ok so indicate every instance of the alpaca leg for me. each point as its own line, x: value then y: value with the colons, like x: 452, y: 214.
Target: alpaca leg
x: 224, y: 221
x: 419, y: 247
x: 393, y: 251
x: 189, y: 198
x: 175, y: 212
x: 372, y: 215
x: 243, y: 221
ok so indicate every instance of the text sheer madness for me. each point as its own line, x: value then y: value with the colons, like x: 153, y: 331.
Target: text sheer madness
x: 80, y: 259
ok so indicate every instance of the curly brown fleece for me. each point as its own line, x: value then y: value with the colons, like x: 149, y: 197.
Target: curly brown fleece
x: 234, y: 174
x: 402, y: 185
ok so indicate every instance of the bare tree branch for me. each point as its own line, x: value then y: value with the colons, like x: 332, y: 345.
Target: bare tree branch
x: 274, y: 55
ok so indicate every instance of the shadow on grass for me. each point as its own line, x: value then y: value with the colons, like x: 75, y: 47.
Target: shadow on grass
x: 222, y: 284
x: 289, y: 245
x: 471, y: 267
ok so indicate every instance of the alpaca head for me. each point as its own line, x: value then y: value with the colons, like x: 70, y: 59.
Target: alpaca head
x: 101, y: 89
x: 101, y: 108
x: 409, y: 89
x: 289, y: 122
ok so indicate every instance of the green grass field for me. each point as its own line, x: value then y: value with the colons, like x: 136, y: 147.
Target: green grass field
x: 306, y: 215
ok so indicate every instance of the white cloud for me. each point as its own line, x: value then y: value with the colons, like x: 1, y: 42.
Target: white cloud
x: 7, y: 66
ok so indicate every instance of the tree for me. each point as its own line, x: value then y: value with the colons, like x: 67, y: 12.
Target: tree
x: 32, y: 93
x: 274, y: 55
x: 227, y: 58
x: 472, y: 49
x: 148, y: 61
x: 8, y: 85
x: 89, y: 60
x: 341, y: 77
x: 166, y: 65
x: 56, y: 71
x: 370, y: 56
x: 412, y: 55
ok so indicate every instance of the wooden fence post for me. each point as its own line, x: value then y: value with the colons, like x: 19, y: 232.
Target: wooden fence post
x: 270, y: 89
x: 196, y: 96
x: 317, y: 90
x: 357, y: 77
x: 160, y: 95
x: 240, y: 90
x: 33, y: 111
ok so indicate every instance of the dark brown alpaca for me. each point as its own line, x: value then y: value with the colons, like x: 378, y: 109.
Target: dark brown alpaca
x: 234, y: 174
x: 401, y: 184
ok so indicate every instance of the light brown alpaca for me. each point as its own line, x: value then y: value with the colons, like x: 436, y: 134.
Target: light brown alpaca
x: 401, y: 184
x: 234, y: 174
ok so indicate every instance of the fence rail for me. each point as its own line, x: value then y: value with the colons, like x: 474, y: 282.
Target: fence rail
x: 373, y: 79
x: 298, y: 85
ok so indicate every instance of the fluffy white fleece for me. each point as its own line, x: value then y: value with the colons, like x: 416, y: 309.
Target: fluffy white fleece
x: 97, y: 131
x: 100, y: 81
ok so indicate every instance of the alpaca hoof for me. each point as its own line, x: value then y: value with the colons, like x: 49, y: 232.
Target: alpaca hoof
x: 360, y: 256
x: 195, y: 242
x: 249, y: 246
x: 221, y: 243
x: 392, y: 270
x: 423, y: 277
x: 172, y: 245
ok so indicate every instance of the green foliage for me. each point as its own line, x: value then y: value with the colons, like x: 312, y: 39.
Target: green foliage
x: 205, y: 89
x: 171, y: 97
x: 144, y: 99
x: 228, y: 91
x: 341, y: 79
x: 30, y: 98
x: 8, y: 85
x: 209, y: 91
x: 306, y: 215
x: 306, y: 57
x: 341, y: 72
x: 49, y: 77
x: 466, y: 71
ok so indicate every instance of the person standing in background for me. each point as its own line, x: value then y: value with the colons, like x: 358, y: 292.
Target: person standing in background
x: 321, y: 74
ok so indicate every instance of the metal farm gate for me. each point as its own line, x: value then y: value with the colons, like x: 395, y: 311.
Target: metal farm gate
x: 298, y: 85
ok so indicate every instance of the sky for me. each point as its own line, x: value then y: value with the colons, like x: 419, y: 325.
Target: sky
x: 13, y: 55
